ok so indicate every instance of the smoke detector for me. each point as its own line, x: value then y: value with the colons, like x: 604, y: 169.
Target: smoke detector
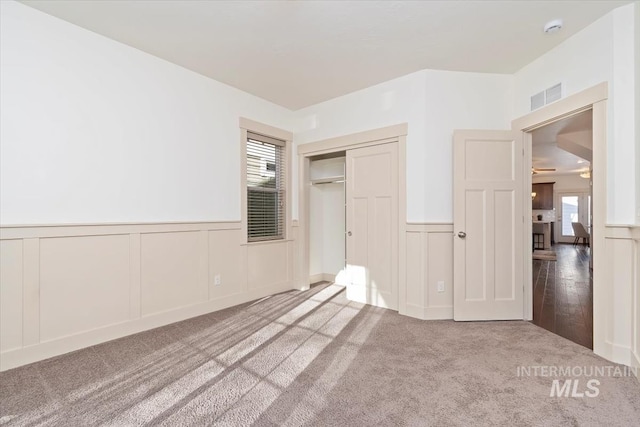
x: 553, y: 26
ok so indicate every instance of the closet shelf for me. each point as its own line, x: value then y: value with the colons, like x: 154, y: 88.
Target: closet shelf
x: 329, y: 180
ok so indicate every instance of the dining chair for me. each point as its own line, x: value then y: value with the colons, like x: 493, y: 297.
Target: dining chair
x: 580, y: 232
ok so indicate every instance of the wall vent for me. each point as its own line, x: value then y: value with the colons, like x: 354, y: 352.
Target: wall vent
x: 537, y: 101
x: 547, y: 96
x: 553, y: 93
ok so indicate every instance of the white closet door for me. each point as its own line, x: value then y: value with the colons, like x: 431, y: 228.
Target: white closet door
x: 372, y: 225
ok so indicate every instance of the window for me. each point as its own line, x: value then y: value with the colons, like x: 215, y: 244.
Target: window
x: 575, y: 207
x: 569, y: 214
x: 266, y: 184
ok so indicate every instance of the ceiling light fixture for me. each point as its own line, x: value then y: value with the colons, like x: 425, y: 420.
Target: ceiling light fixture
x: 553, y: 26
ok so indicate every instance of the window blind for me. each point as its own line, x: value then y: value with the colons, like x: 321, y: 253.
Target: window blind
x: 265, y: 188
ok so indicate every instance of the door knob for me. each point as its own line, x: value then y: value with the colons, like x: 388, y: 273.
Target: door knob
x: 348, y: 233
x: 462, y: 234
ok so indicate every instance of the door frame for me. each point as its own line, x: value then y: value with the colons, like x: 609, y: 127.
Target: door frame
x: 395, y: 134
x: 595, y: 99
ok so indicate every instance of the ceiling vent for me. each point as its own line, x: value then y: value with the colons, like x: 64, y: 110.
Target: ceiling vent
x: 547, y: 96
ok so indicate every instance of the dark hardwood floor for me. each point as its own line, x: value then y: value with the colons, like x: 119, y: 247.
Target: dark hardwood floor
x: 563, y: 294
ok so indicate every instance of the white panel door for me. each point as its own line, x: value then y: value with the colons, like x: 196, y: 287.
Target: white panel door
x: 488, y: 225
x: 372, y: 225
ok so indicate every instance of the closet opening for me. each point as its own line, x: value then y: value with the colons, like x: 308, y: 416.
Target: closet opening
x: 352, y: 216
x: 327, y: 218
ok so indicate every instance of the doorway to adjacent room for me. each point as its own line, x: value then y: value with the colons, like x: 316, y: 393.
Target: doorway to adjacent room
x: 562, y: 281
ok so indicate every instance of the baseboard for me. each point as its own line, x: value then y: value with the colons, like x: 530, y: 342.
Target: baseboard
x: 322, y: 277
x: 621, y: 354
x: 614, y: 353
x: 44, y: 350
x: 414, y: 311
x: 428, y: 313
x: 315, y: 278
x: 438, y: 313
x: 635, y: 363
x: 362, y: 294
x: 327, y: 277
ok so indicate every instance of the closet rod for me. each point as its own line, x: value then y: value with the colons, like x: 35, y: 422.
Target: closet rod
x: 332, y: 180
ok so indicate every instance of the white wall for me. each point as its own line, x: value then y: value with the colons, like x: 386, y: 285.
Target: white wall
x: 622, y: 165
x: 396, y: 101
x: 602, y: 52
x: 433, y: 103
x: 95, y: 131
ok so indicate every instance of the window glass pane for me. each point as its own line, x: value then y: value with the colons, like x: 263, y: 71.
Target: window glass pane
x: 569, y: 214
x: 265, y: 190
x: 261, y: 164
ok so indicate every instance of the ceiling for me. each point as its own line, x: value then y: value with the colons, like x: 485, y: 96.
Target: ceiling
x: 545, y: 152
x: 298, y: 53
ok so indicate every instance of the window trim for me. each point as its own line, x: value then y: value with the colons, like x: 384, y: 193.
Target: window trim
x: 248, y: 126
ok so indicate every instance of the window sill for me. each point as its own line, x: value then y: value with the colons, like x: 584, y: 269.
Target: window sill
x: 266, y: 242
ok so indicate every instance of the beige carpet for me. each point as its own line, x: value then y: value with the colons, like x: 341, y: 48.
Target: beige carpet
x: 545, y: 255
x: 313, y: 358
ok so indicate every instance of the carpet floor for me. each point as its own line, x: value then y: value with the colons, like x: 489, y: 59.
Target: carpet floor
x: 314, y: 358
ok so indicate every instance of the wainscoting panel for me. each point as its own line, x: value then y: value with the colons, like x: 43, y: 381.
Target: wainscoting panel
x: 171, y: 271
x: 439, y: 305
x: 635, y: 359
x: 297, y: 259
x: 84, y: 284
x: 228, y: 260
x: 66, y: 287
x: 619, y: 303
x: 11, y: 291
x: 268, y: 264
x: 415, y: 274
x: 429, y: 261
x: 30, y: 292
x: 619, y: 253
